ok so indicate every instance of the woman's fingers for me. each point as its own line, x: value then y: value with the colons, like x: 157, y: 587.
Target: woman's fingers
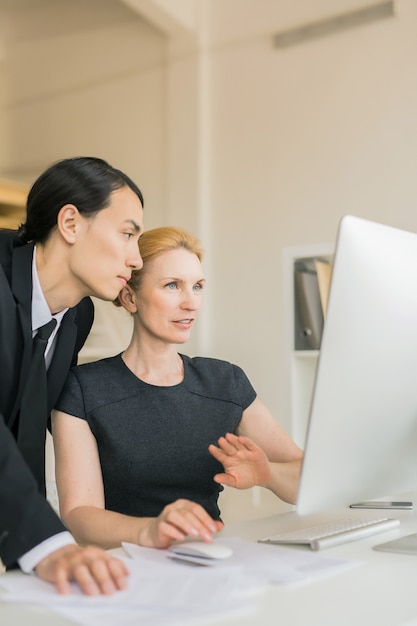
x: 184, y: 518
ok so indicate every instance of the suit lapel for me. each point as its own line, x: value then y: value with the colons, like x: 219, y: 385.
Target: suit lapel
x: 21, y: 285
x: 22, y: 290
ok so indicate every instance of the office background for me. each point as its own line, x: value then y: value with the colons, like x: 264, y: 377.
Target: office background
x: 252, y: 147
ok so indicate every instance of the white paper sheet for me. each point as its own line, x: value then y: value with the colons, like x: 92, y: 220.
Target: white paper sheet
x: 169, y: 585
x: 260, y: 563
x: 165, y: 591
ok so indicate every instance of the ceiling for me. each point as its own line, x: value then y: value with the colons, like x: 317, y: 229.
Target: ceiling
x: 31, y: 19
x: 34, y: 19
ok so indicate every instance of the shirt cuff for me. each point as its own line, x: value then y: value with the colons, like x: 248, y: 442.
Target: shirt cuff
x: 29, y: 561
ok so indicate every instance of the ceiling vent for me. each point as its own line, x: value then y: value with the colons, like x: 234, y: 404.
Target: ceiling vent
x: 336, y: 24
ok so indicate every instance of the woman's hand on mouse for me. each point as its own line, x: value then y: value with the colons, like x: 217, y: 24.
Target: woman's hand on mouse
x: 245, y: 463
x: 178, y: 520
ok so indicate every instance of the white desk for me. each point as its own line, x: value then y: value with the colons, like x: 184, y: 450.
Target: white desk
x: 382, y: 591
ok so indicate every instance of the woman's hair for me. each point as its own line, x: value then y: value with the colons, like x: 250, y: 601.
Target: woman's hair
x: 85, y: 182
x: 157, y: 241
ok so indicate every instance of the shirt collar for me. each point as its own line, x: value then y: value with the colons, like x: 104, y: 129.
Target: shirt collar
x: 41, y: 313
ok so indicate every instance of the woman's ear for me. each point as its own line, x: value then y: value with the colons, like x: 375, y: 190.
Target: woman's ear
x: 68, y: 217
x: 127, y: 299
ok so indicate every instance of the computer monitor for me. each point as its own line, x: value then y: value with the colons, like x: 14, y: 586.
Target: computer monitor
x: 362, y: 433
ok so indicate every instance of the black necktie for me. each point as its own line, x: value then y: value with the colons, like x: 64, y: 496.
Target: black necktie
x: 33, y: 412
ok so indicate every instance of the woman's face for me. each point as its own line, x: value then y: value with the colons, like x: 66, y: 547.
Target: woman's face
x: 170, y: 296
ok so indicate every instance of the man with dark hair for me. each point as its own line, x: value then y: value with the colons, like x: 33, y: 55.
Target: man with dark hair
x: 80, y: 239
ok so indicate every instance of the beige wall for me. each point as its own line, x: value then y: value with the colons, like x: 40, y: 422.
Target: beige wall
x: 253, y: 148
x: 78, y: 80
x: 299, y: 137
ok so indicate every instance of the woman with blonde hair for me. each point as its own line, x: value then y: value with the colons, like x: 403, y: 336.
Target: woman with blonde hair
x: 145, y: 440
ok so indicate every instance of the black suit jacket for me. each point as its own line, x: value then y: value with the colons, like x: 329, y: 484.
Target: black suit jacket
x: 26, y: 518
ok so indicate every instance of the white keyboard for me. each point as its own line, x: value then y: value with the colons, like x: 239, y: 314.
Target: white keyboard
x: 336, y: 532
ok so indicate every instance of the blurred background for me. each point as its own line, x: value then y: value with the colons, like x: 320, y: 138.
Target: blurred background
x: 256, y: 124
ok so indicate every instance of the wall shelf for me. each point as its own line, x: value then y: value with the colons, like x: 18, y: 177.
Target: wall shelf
x: 300, y: 365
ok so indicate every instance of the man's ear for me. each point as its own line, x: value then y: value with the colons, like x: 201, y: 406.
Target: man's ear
x: 127, y: 299
x: 68, y: 218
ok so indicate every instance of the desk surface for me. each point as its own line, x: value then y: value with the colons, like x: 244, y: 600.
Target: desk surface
x: 382, y: 590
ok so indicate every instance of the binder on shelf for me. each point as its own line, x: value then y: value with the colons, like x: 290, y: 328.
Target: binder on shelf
x: 311, y: 289
x: 324, y: 276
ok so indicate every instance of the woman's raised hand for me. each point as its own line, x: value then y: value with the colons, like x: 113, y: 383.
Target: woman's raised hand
x: 245, y: 463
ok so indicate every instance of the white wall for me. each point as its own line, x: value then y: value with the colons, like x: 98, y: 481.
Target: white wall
x: 75, y: 81
x: 299, y: 137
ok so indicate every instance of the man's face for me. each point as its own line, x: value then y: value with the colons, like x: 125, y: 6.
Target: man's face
x: 106, y: 248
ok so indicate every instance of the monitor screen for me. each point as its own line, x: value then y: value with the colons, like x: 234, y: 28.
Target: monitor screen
x: 362, y: 433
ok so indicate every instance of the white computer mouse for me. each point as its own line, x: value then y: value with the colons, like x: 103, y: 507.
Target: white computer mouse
x: 201, y: 549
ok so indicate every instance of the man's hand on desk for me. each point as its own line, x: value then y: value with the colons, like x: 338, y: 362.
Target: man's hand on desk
x: 95, y: 571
